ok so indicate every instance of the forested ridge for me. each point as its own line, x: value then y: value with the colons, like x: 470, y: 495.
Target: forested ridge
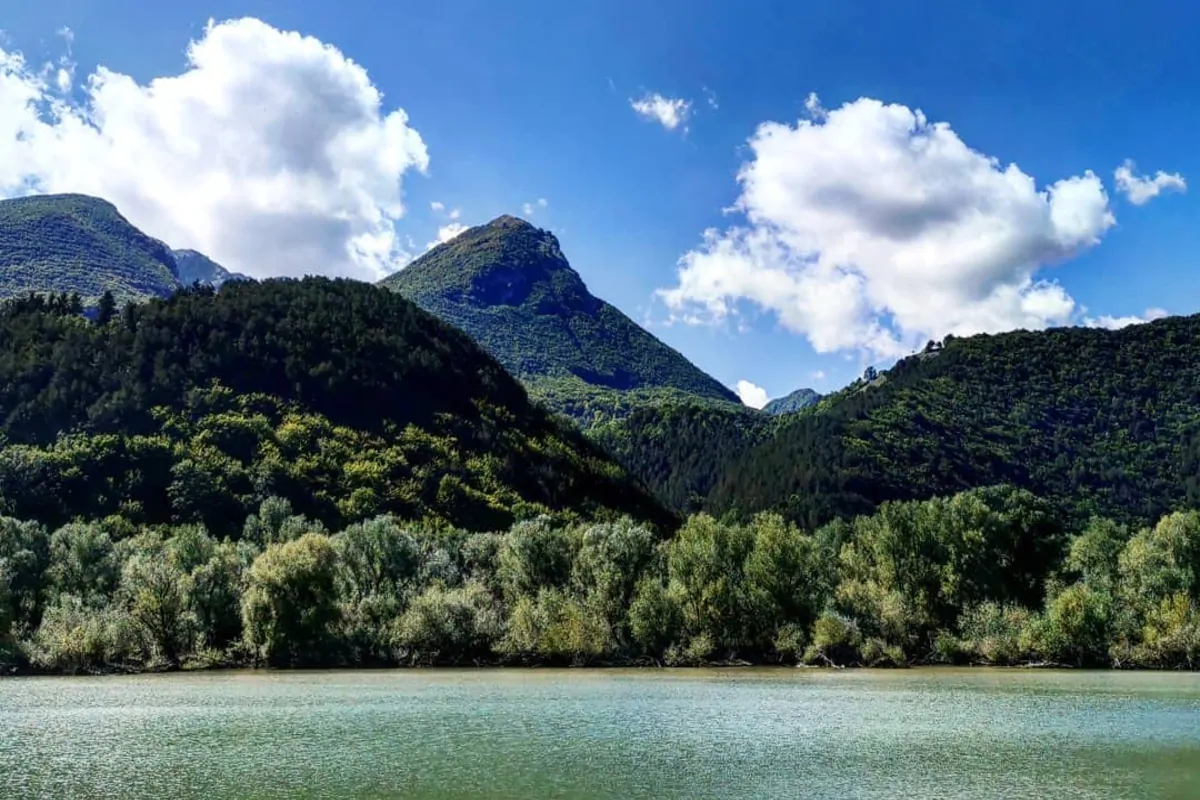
x: 345, y: 399
x: 81, y: 245
x: 1100, y: 422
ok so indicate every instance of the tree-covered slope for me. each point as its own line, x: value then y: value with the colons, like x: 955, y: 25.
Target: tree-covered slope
x: 796, y: 401
x: 509, y: 286
x: 343, y: 398
x: 198, y: 268
x: 1104, y: 422
x: 78, y: 244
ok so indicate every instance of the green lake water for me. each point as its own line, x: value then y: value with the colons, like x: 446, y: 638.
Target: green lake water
x: 604, y: 734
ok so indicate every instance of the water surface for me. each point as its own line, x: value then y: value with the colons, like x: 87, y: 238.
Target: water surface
x: 604, y: 734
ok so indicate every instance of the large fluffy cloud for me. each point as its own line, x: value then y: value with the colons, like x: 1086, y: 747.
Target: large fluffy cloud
x: 871, y: 228
x: 271, y: 152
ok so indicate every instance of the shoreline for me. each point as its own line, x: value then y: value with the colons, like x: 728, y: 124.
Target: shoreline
x: 724, y: 666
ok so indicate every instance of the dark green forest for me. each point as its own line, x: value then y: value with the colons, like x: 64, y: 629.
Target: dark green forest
x: 346, y: 400
x: 1102, y: 423
x: 81, y: 245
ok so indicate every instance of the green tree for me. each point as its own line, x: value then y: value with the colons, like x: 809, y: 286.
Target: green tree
x: 290, y: 603
x: 155, y: 591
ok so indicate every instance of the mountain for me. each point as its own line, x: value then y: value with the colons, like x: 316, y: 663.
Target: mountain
x: 1102, y: 422
x: 74, y: 243
x: 342, y: 398
x: 198, y: 268
x: 509, y: 286
x: 796, y: 401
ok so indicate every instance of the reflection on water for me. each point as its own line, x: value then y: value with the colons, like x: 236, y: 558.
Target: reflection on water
x: 604, y: 734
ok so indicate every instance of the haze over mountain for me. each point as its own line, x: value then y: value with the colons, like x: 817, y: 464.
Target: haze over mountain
x: 508, y: 285
x: 198, y: 268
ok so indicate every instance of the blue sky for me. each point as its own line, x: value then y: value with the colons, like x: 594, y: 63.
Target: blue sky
x: 527, y: 100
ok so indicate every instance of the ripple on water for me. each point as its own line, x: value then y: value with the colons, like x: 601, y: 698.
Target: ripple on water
x: 604, y: 734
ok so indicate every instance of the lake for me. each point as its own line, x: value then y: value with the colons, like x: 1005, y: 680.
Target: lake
x: 604, y: 734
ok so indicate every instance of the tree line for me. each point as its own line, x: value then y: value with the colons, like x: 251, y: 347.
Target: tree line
x: 988, y: 576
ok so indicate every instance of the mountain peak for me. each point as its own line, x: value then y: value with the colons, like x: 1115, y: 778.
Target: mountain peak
x: 509, y: 221
x: 797, y: 400
x: 508, y: 284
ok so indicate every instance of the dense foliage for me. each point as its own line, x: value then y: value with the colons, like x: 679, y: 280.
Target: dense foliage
x: 509, y: 286
x: 80, y: 245
x: 989, y: 576
x: 790, y: 403
x: 1100, y: 422
x: 675, y: 443
x: 345, y: 399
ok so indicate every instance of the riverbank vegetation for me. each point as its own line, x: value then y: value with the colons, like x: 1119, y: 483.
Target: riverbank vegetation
x: 989, y: 576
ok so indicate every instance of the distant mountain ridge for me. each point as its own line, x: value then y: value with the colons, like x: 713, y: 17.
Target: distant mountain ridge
x: 83, y: 245
x: 796, y: 401
x: 75, y: 243
x: 1105, y: 423
x: 509, y: 286
x: 198, y: 268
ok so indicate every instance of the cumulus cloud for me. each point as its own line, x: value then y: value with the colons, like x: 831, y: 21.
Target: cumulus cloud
x: 751, y: 395
x: 819, y: 375
x: 437, y: 205
x: 1139, y: 189
x: 446, y: 233
x: 1116, y: 323
x: 670, y: 112
x: 869, y: 228
x: 530, y: 209
x: 271, y: 152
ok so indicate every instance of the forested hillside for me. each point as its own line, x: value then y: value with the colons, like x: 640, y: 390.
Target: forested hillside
x: 81, y: 245
x: 342, y: 398
x: 510, y: 287
x: 1102, y: 422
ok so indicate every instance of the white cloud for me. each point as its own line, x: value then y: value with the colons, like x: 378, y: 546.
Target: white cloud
x: 1141, y: 190
x: 819, y: 375
x: 446, y: 233
x: 1116, y: 323
x: 670, y: 112
x: 751, y: 395
x: 868, y: 228
x: 529, y: 209
x: 439, y: 207
x: 271, y: 152
x: 711, y: 97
